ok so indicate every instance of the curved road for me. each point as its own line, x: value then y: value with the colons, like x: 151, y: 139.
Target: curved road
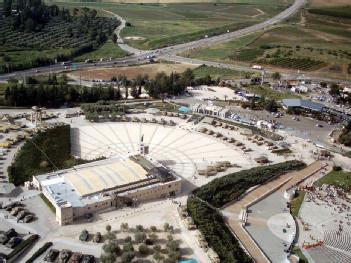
x: 168, y: 53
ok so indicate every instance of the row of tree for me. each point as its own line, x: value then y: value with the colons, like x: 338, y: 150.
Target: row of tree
x: 30, y: 14
x: 55, y: 91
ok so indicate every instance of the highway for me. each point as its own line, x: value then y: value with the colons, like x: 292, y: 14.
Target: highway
x: 168, y: 53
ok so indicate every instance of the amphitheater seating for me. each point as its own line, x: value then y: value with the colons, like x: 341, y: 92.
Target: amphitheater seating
x: 324, y: 254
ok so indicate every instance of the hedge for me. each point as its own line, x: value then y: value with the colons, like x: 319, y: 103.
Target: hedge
x: 39, y: 252
x: 228, y: 188
x: 217, y: 234
x: 23, y: 245
x: 221, y: 191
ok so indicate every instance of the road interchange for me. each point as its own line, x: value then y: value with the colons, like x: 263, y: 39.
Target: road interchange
x: 170, y: 53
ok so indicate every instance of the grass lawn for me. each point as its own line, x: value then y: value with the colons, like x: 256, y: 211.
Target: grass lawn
x: 165, y: 24
x: 296, y: 203
x: 106, y: 51
x: 339, y: 178
x: 267, y: 92
x: 299, y: 253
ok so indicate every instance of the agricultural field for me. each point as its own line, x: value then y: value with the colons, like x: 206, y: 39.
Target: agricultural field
x: 158, y: 25
x: 221, y: 73
x: 308, y: 42
x: 63, y: 37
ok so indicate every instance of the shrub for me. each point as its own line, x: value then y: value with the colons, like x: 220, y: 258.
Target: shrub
x: 143, y: 249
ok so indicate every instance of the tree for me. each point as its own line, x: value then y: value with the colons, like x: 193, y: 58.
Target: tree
x: 166, y: 227
x: 276, y: 76
x: 158, y: 256
x: 128, y: 246
x: 187, y: 77
x: 7, y: 7
x: 124, y: 227
x: 127, y: 257
x: 143, y: 249
x: 134, y: 92
x: 153, y: 228
x: 126, y: 92
x: 111, y: 247
x: 334, y: 90
x: 139, y: 228
x: 157, y: 248
x: 173, y: 245
x: 128, y: 239
x: 140, y: 237
x: 108, y: 258
x: 174, y: 256
x: 153, y: 237
x: 270, y: 105
x: 114, y: 38
x: 108, y: 228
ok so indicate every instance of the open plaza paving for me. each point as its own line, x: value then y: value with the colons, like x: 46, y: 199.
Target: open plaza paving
x: 185, y: 148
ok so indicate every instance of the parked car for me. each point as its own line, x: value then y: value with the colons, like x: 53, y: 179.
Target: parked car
x: 319, y: 125
x: 6, y: 236
x: 16, y: 210
x: 9, y: 206
x: 22, y: 214
x: 84, y: 235
x: 13, y: 242
x: 75, y: 258
x: 28, y: 218
x: 64, y: 256
x: 52, y: 255
x: 88, y: 259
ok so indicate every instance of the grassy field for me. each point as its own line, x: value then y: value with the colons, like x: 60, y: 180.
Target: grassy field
x: 296, y: 203
x: 312, y: 43
x: 106, y: 51
x: 267, y: 92
x: 164, y: 24
x: 339, y: 178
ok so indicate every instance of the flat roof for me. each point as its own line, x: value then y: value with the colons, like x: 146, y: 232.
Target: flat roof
x: 303, y: 103
x: 105, y: 175
x: 85, y: 183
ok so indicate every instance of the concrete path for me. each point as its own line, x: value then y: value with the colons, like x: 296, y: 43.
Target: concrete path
x: 233, y: 211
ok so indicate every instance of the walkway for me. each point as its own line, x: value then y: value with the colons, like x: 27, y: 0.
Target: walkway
x: 233, y: 211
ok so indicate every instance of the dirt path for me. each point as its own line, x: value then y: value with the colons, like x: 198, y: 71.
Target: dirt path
x: 260, y: 12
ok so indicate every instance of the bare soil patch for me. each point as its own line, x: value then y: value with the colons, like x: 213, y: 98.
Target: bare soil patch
x: 134, y: 38
x: 131, y: 72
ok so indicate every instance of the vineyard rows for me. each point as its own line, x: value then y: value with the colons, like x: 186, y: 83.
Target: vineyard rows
x: 55, y: 33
